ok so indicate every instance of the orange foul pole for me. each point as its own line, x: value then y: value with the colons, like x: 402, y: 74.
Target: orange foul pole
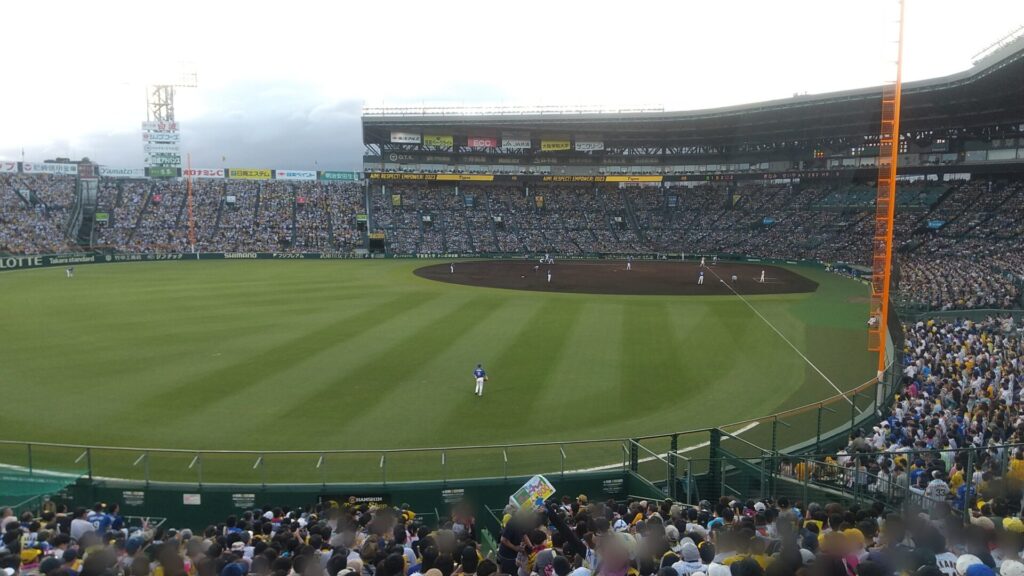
x: 885, y: 207
x: 191, y: 218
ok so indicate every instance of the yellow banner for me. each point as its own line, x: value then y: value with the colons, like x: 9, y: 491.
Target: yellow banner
x: 249, y: 174
x: 441, y: 177
x: 602, y: 179
x: 633, y: 179
x: 554, y: 145
x: 396, y: 199
x: 467, y: 177
x: 438, y: 140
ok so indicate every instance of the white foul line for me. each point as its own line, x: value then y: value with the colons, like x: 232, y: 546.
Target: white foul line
x: 781, y: 335
x: 746, y: 428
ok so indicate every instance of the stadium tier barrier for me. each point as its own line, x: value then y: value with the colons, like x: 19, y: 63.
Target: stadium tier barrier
x: 187, y: 487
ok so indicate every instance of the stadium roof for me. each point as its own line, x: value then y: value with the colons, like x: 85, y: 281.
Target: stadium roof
x: 990, y: 92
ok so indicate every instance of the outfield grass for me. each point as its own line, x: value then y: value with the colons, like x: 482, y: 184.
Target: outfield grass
x: 312, y: 355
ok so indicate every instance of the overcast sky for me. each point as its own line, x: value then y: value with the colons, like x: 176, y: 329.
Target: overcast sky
x: 281, y: 84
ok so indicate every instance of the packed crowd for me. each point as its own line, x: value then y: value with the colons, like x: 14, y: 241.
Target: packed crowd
x: 33, y: 213
x: 961, y: 387
x: 957, y: 242
x: 564, y: 537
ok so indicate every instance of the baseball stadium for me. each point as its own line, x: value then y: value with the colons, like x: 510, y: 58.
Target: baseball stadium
x: 693, y: 323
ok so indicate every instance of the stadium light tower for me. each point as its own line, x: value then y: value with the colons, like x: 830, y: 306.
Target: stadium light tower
x: 160, y: 96
x: 885, y: 207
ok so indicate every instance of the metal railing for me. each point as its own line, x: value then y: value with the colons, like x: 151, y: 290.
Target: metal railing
x: 655, y: 457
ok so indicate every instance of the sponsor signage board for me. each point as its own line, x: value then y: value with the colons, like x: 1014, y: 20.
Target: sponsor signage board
x: 589, y: 145
x: 249, y: 173
x: 161, y: 147
x: 554, y: 145
x: 205, y: 172
x: 336, y: 175
x: 49, y: 168
x: 482, y: 142
x: 438, y: 140
x: 108, y: 172
x: 160, y: 126
x: 7, y: 166
x: 515, y: 140
x: 161, y: 136
x: 295, y: 174
x: 405, y: 138
x: 162, y: 172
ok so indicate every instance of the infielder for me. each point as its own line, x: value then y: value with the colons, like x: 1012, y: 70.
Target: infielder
x: 700, y: 279
x: 762, y: 277
x: 701, y: 261
x: 549, y: 276
x: 629, y: 263
x: 451, y: 268
x: 481, y: 377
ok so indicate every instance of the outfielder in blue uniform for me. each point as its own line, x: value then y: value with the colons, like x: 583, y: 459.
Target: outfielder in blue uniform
x: 481, y: 376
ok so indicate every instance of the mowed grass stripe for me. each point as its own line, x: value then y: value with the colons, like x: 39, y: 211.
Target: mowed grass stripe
x: 530, y: 362
x: 278, y: 358
x: 448, y: 383
x: 392, y: 369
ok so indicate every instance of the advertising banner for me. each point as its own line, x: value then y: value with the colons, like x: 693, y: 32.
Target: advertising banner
x: 164, y: 147
x: 515, y: 140
x: 162, y: 172
x: 433, y: 177
x: 335, y: 175
x: 405, y: 138
x: 107, y: 172
x: 160, y: 126
x: 602, y: 178
x: 554, y: 145
x: 438, y: 140
x: 295, y: 174
x: 206, y: 172
x: 589, y: 144
x: 162, y: 159
x: 6, y: 166
x: 633, y: 179
x: 482, y: 142
x: 161, y: 136
x: 49, y: 168
x: 249, y: 174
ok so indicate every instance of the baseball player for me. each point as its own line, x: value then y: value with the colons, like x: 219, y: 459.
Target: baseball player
x: 762, y: 277
x: 629, y: 263
x: 700, y: 279
x: 481, y: 376
x: 451, y: 268
x: 70, y: 272
x: 549, y: 275
x: 701, y: 261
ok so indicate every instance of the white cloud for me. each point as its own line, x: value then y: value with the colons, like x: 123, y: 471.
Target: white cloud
x: 76, y: 70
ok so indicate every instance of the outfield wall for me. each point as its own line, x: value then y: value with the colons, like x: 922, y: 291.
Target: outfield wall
x: 26, y: 262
